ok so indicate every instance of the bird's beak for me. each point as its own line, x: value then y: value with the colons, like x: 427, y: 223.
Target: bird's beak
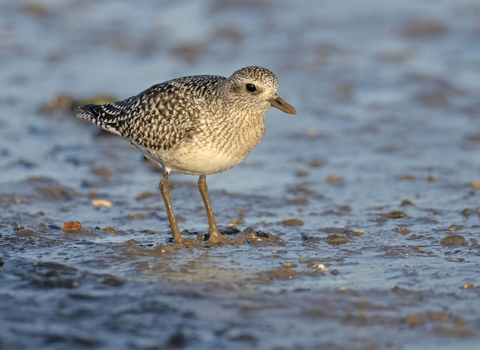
x: 279, y: 103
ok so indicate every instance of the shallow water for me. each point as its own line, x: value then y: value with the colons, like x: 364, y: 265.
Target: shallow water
x: 379, y: 165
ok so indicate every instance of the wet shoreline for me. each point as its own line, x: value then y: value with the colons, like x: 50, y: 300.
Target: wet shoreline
x: 361, y: 213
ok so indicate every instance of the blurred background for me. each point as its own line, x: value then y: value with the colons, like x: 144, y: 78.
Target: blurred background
x: 363, y: 207
x: 343, y: 65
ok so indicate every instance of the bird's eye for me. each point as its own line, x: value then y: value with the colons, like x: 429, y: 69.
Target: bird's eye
x: 250, y: 87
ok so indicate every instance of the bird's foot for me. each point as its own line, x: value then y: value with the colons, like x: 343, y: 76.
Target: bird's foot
x: 187, y: 243
x: 216, y: 239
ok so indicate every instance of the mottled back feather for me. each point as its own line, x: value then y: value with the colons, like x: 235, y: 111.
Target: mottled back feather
x: 159, y: 117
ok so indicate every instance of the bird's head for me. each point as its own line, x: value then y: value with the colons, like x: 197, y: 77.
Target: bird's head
x: 256, y: 88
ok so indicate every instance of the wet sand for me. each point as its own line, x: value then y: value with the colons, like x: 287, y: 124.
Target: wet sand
x: 360, y: 213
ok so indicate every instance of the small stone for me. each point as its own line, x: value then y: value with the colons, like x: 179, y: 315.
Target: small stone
x: 468, y: 286
x: 406, y: 202
x: 292, y: 222
x: 318, y: 267
x: 335, y: 272
x: 358, y: 232
x: 408, y: 177
x: 101, y: 203
x: 102, y: 171
x: 230, y: 230
x: 453, y: 240
x: 476, y: 184
x: 336, y: 239
x: 466, y: 212
x: 26, y: 233
x: 71, y: 226
x: 110, y: 230
x: 281, y: 274
x: 92, y: 194
x: 395, y: 214
x: 415, y: 320
x: 403, y: 230
x: 333, y: 178
x: 474, y: 243
x: 432, y: 179
x: 315, y: 164
x: 289, y: 265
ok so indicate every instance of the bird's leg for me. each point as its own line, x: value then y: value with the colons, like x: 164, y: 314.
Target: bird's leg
x: 165, y: 191
x: 215, y: 236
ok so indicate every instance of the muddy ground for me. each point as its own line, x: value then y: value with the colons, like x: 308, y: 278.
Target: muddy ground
x: 361, y: 212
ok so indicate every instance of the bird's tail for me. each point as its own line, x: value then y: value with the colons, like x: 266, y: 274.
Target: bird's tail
x: 98, y: 116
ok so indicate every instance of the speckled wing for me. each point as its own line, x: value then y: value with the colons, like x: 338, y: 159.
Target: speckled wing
x: 157, y: 118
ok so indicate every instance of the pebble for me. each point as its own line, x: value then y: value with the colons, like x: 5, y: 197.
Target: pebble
x: 395, y: 214
x: 336, y: 239
x: 453, y: 240
x: 292, y: 222
x: 71, y: 226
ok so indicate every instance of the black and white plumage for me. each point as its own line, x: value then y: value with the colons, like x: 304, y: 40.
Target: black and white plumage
x: 197, y: 125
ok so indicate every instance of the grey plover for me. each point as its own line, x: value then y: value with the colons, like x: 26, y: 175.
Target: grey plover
x: 197, y: 125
